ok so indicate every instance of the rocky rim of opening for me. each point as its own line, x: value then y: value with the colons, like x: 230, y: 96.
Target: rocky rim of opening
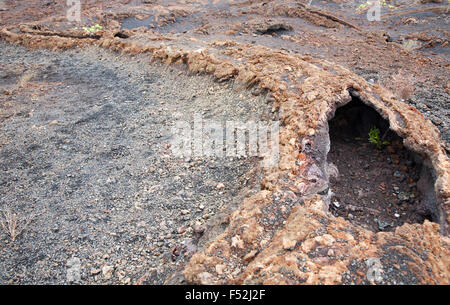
x: 380, y: 184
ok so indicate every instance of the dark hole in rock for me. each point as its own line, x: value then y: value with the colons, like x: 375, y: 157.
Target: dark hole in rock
x: 271, y: 29
x: 378, y: 188
x: 121, y: 35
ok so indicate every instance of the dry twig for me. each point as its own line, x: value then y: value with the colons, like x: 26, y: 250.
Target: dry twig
x: 13, y: 224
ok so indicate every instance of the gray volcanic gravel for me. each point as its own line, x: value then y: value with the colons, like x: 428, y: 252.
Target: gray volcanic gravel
x: 85, y: 155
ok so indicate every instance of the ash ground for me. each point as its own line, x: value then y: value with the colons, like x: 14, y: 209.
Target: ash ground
x: 84, y: 150
x: 377, y: 189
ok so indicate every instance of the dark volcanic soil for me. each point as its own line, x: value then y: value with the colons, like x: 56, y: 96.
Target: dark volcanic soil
x: 84, y: 150
x: 376, y: 187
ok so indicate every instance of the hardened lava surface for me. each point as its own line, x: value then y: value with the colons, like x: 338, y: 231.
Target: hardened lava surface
x: 306, y: 61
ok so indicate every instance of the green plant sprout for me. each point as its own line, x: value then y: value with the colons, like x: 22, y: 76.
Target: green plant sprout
x: 369, y: 3
x: 92, y: 29
x: 374, y: 138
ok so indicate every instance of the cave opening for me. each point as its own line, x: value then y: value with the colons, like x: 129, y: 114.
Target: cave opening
x: 378, y: 183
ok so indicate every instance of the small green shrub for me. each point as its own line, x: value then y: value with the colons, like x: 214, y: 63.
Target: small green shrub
x: 370, y: 3
x: 374, y: 138
x: 92, y: 29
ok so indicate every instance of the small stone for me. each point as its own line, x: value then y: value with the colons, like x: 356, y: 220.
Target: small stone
x: 336, y: 204
x: 107, y: 272
x: 220, y: 186
x: 330, y: 252
x: 206, y: 278
x: 402, y: 196
x: 289, y: 244
x: 95, y: 271
x: 437, y: 121
x: 184, y: 212
x: 250, y: 255
x: 220, y: 268
x: 270, y: 98
x: 198, y: 231
x: 350, y: 216
x: 397, y: 215
x: 125, y: 281
x: 382, y: 225
x: 237, y: 242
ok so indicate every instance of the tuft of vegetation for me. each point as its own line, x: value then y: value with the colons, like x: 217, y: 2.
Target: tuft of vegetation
x: 92, y: 29
x: 369, y: 3
x: 374, y: 138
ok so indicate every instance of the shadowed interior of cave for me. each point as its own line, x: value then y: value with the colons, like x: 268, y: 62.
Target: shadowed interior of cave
x: 378, y: 185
